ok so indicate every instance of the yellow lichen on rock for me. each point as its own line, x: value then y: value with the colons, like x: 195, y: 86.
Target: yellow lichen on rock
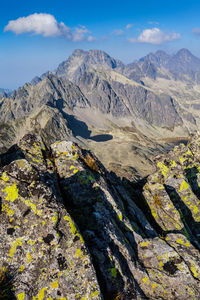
x: 12, y: 192
x: 21, y: 296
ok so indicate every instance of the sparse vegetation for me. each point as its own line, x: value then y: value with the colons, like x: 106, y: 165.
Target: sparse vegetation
x: 157, y: 200
x: 90, y: 162
x: 118, y: 296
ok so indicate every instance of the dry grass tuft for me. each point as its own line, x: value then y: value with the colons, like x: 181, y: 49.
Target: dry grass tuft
x: 90, y: 162
x: 118, y: 296
x: 157, y: 200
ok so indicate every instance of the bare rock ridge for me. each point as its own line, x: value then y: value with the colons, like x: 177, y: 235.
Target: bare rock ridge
x: 39, y: 109
x: 5, y: 93
x: 95, y: 91
x: 182, y: 65
x: 72, y: 230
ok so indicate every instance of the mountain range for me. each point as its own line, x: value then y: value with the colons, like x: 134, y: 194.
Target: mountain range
x: 74, y: 229
x: 126, y: 114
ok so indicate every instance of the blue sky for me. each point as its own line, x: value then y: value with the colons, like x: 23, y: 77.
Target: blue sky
x: 51, y: 30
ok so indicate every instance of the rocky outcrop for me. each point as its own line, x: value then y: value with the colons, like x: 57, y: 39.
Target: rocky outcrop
x: 41, y: 246
x: 70, y: 230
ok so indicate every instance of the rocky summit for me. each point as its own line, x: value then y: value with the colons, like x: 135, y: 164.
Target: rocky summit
x: 72, y: 230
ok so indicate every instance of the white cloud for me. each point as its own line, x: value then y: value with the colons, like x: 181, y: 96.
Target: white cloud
x: 79, y: 33
x: 43, y: 24
x: 47, y: 26
x: 119, y: 32
x: 154, y: 36
x: 128, y: 26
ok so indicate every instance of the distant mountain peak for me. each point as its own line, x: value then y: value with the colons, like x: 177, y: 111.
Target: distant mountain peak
x: 92, y: 52
x: 183, y: 66
x: 161, y: 52
x: 77, y: 52
x: 98, y: 52
x: 185, y: 56
x: 159, y: 58
x: 184, y: 51
x: 80, y: 61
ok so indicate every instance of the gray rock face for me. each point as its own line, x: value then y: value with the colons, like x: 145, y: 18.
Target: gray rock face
x: 184, y: 63
x: 159, y: 111
x: 35, y: 80
x: 136, y: 70
x: 40, y: 244
x: 102, y: 95
x: 52, y: 91
x: 159, y: 59
x: 80, y: 61
x: 120, y: 100
x: 47, y: 121
x: 70, y: 230
x: 7, y: 136
x: 39, y: 109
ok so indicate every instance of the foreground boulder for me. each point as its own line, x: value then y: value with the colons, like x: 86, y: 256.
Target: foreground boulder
x: 40, y: 244
x: 70, y: 230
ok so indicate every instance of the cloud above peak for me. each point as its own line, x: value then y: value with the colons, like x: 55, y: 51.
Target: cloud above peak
x: 47, y: 26
x: 154, y: 36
